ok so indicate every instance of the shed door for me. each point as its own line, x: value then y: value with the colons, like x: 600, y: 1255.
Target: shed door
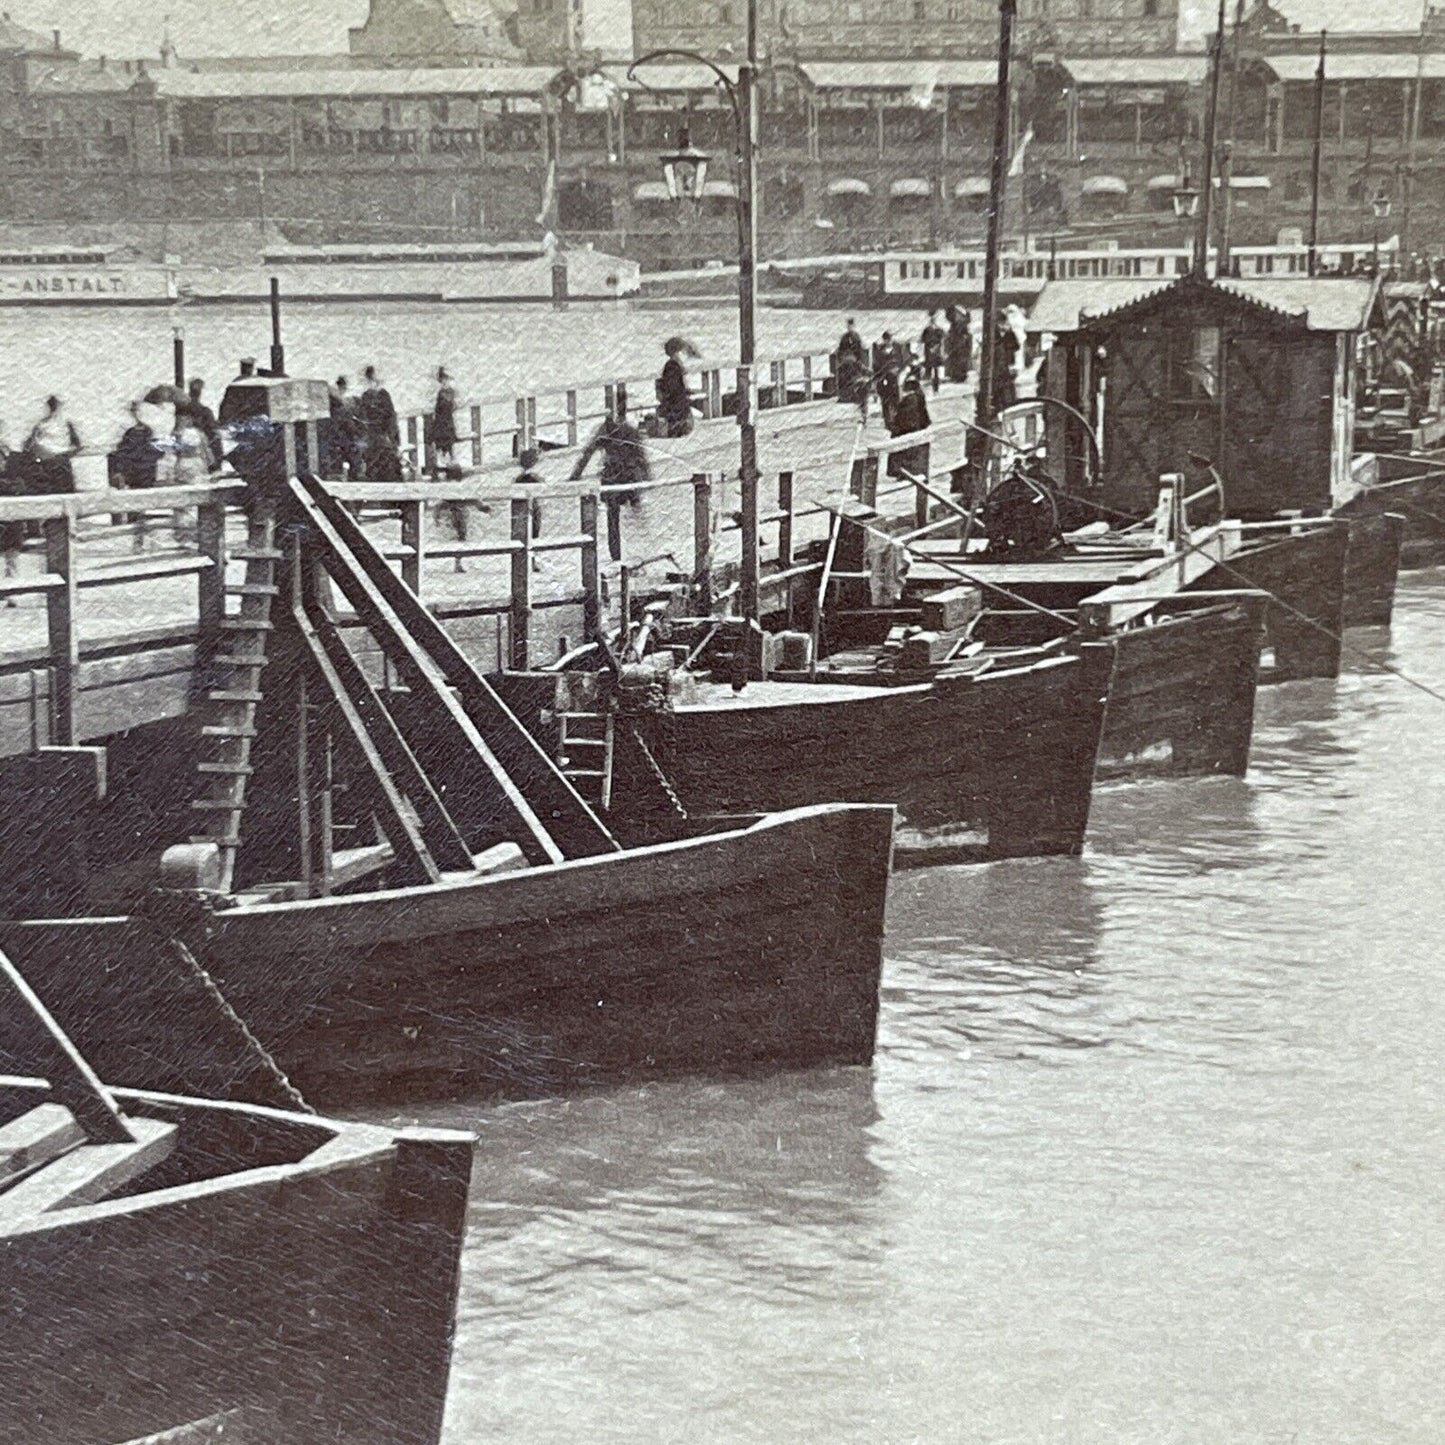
x: 1163, y: 403
x: 1276, y: 447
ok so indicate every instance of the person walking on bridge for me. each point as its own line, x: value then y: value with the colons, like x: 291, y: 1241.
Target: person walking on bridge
x: 932, y: 341
x: 624, y: 466
x: 382, y: 431
x: 674, y: 400
x: 851, y: 364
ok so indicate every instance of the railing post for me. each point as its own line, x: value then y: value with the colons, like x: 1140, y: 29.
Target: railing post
x: 520, y: 652
x: 61, y: 625
x: 413, y: 535
x: 785, y: 523
x: 863, y: 482
x: 572, y: 432
x: 476, y: 436
x: 413, y: 447
x: 702, y: 544
x: 211, y: 584
x: 808, y: 378
x: 531, y: 421
x: 920, y: 497
x: 777, y: 384
x: 591, y: 577
x: 609, y: 399
x: 519, y: 439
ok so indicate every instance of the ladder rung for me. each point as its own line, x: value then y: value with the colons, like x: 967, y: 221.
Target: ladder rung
x: 216, y: 805
x: 231, y: 659
x: 238, y: 770
x: 585, y: 773
x: 222, y: 840
x: 250, y: 589
x: 227, y: 730
x: 585, y: 742
x: 245, y: 624
x: 597, y: 716
x: 228, y: 694
x: 257, y: 554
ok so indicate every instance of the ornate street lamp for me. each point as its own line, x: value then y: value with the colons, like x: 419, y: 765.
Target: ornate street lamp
x: 685, y: 168
x: 1185, y: 198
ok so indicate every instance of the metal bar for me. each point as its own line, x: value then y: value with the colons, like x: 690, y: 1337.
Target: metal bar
x: 64, y: 638
x: 1312, y: 262
x: 997, y: 187
x: 1211, y: 121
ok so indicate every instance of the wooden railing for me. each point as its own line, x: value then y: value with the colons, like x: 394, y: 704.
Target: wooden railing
x: 500, y: 427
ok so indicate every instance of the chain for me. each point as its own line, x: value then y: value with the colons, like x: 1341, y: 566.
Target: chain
x: 657, y: 772
x: 214, y: 990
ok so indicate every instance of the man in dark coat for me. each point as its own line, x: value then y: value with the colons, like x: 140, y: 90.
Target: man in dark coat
x: 382, y: 432
x: 910, y: 415
x: 624, y: 465
x: 932, y: 341
x: 960, y: 344
x: 674, y: 401
x: 343, y: 435
x: 852, y: 368
x: 888, y: 363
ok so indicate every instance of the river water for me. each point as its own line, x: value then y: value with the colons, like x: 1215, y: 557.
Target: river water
x: 101, y: 360
x: 1151, y: 1151
x: 1152, y: 1148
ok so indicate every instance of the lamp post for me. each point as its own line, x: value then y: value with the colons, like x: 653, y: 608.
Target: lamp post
x: 685, y: 170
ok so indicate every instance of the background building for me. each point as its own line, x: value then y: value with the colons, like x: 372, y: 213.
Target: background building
x: 489, y: 129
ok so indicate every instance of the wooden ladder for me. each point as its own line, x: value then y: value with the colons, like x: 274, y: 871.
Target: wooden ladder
x: 584, y: 754
x: 225, y: 764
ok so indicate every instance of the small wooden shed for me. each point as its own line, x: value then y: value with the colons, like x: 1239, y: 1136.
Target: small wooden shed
x: 1257, y: 376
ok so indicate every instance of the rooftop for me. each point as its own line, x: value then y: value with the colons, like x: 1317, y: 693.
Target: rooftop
x: 1323, y: 303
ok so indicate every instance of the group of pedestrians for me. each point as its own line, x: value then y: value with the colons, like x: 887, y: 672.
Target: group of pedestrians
x: 885, y: 368
x: 362, y: 442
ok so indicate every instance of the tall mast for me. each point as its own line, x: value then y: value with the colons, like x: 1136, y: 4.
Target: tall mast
x: 997, y: 186
x: 1226, y: 163
x: 1414, y: 139
x: 1319, y: 140
x: 1211, y: 122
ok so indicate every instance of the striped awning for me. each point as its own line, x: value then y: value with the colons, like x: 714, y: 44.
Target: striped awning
x: 724, y: 189
x: 1105, y: 186
x: 972, y: 186
x: 651, y: 191
x: 910, y: 186
x: 1167, y: 181
x: 1246, y: 183
x: 849, y: 186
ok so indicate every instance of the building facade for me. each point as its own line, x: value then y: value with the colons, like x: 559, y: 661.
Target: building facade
x: 857, y: 152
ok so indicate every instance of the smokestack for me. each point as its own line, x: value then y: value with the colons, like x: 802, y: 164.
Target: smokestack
x: 56, y: 34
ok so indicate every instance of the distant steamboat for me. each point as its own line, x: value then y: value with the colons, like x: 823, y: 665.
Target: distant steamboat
x: 452, y: 271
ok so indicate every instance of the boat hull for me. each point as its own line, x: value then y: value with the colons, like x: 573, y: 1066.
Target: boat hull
x: 291, y: 1303
x: 1005, y: 758
x: 1182, y: 694
x: 1304, y: 574
x: 759, y: 947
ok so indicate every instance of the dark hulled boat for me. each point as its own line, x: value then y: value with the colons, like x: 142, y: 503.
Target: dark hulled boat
x: 1252, y: 379
x: 394, y: 887
x: 176, y: 1268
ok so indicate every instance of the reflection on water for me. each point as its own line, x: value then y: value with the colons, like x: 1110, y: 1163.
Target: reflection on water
x: 1151, y: 1151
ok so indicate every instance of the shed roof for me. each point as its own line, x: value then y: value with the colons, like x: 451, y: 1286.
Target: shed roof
x: 1138, y: 70
x: 1362, y: 65
x: 352, y: 84
x: 1323, y: 303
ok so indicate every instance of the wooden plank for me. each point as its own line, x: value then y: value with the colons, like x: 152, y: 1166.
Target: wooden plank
x: 72, y: 1081
x: 44, y: 1133
x: 89, y: 1174
x: 63, y: 635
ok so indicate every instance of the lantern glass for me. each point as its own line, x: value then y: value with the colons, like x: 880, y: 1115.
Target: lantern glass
x: 1381, y: 206
x: 685, y: 169
x: 1186, y: 202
